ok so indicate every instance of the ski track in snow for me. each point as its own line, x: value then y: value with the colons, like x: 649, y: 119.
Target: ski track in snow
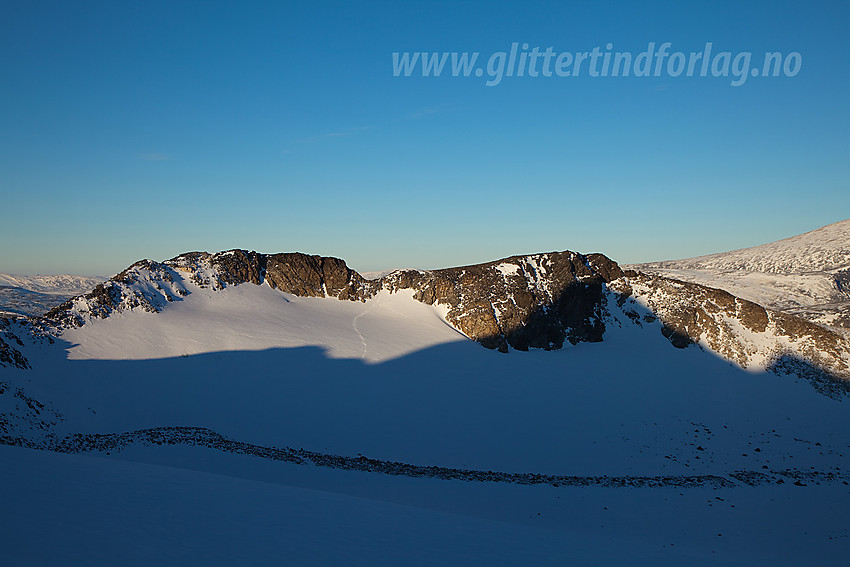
x: 370, y: 305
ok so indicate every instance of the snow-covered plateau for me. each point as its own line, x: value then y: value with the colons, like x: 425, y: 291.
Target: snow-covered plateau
x: 806, y: 275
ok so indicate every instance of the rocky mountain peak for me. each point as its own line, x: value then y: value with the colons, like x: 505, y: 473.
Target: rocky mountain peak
x: 535, y: 301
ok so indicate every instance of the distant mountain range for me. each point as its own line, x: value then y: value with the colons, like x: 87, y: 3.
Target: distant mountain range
x: 35, y: 295
x: 806, y: 275
x: 61, y: 284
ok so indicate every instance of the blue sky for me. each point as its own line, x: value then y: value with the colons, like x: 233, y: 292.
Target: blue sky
x: 146, y: 129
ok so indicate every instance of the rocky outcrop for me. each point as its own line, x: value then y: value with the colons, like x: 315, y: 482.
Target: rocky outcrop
x: 316, y: 276
x: 10, y: 356
x: 522, y: 302
x: 842, y: 281
x: 299, y: 274
x: 146, y: 285
x: 737, y: 329
x: 25, y: 421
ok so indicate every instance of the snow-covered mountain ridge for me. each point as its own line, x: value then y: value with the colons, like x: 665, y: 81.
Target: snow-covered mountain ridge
x: 537, y: 301
x: 806, y: 275
x: 822, y: 250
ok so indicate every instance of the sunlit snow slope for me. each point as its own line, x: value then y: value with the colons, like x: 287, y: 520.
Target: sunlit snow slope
x: 250, y: 317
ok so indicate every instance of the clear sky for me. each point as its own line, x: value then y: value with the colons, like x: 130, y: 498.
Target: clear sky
x: 134, y: 130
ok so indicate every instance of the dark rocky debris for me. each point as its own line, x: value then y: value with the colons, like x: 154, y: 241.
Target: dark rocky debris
x: 202, y: 437
x: 10, y: 356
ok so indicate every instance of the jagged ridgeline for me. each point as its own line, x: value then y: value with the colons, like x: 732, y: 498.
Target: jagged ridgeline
x: 522, y: 302
x: 537, y: 301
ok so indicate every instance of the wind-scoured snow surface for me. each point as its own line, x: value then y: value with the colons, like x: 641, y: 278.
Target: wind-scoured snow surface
x: 198, y: 424
x: 806, y: 275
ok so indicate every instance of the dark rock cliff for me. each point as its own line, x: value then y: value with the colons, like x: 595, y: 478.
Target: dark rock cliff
x: 10, y: 356
x: 537, y: 301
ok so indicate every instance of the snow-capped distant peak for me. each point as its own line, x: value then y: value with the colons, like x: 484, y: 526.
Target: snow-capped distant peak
x: 824, y: 249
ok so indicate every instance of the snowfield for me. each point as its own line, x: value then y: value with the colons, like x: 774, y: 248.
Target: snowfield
x: 249, y: 317
x: 85, y: 510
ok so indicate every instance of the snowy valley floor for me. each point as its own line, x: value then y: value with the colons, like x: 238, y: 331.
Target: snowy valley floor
x: 84, y: 510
